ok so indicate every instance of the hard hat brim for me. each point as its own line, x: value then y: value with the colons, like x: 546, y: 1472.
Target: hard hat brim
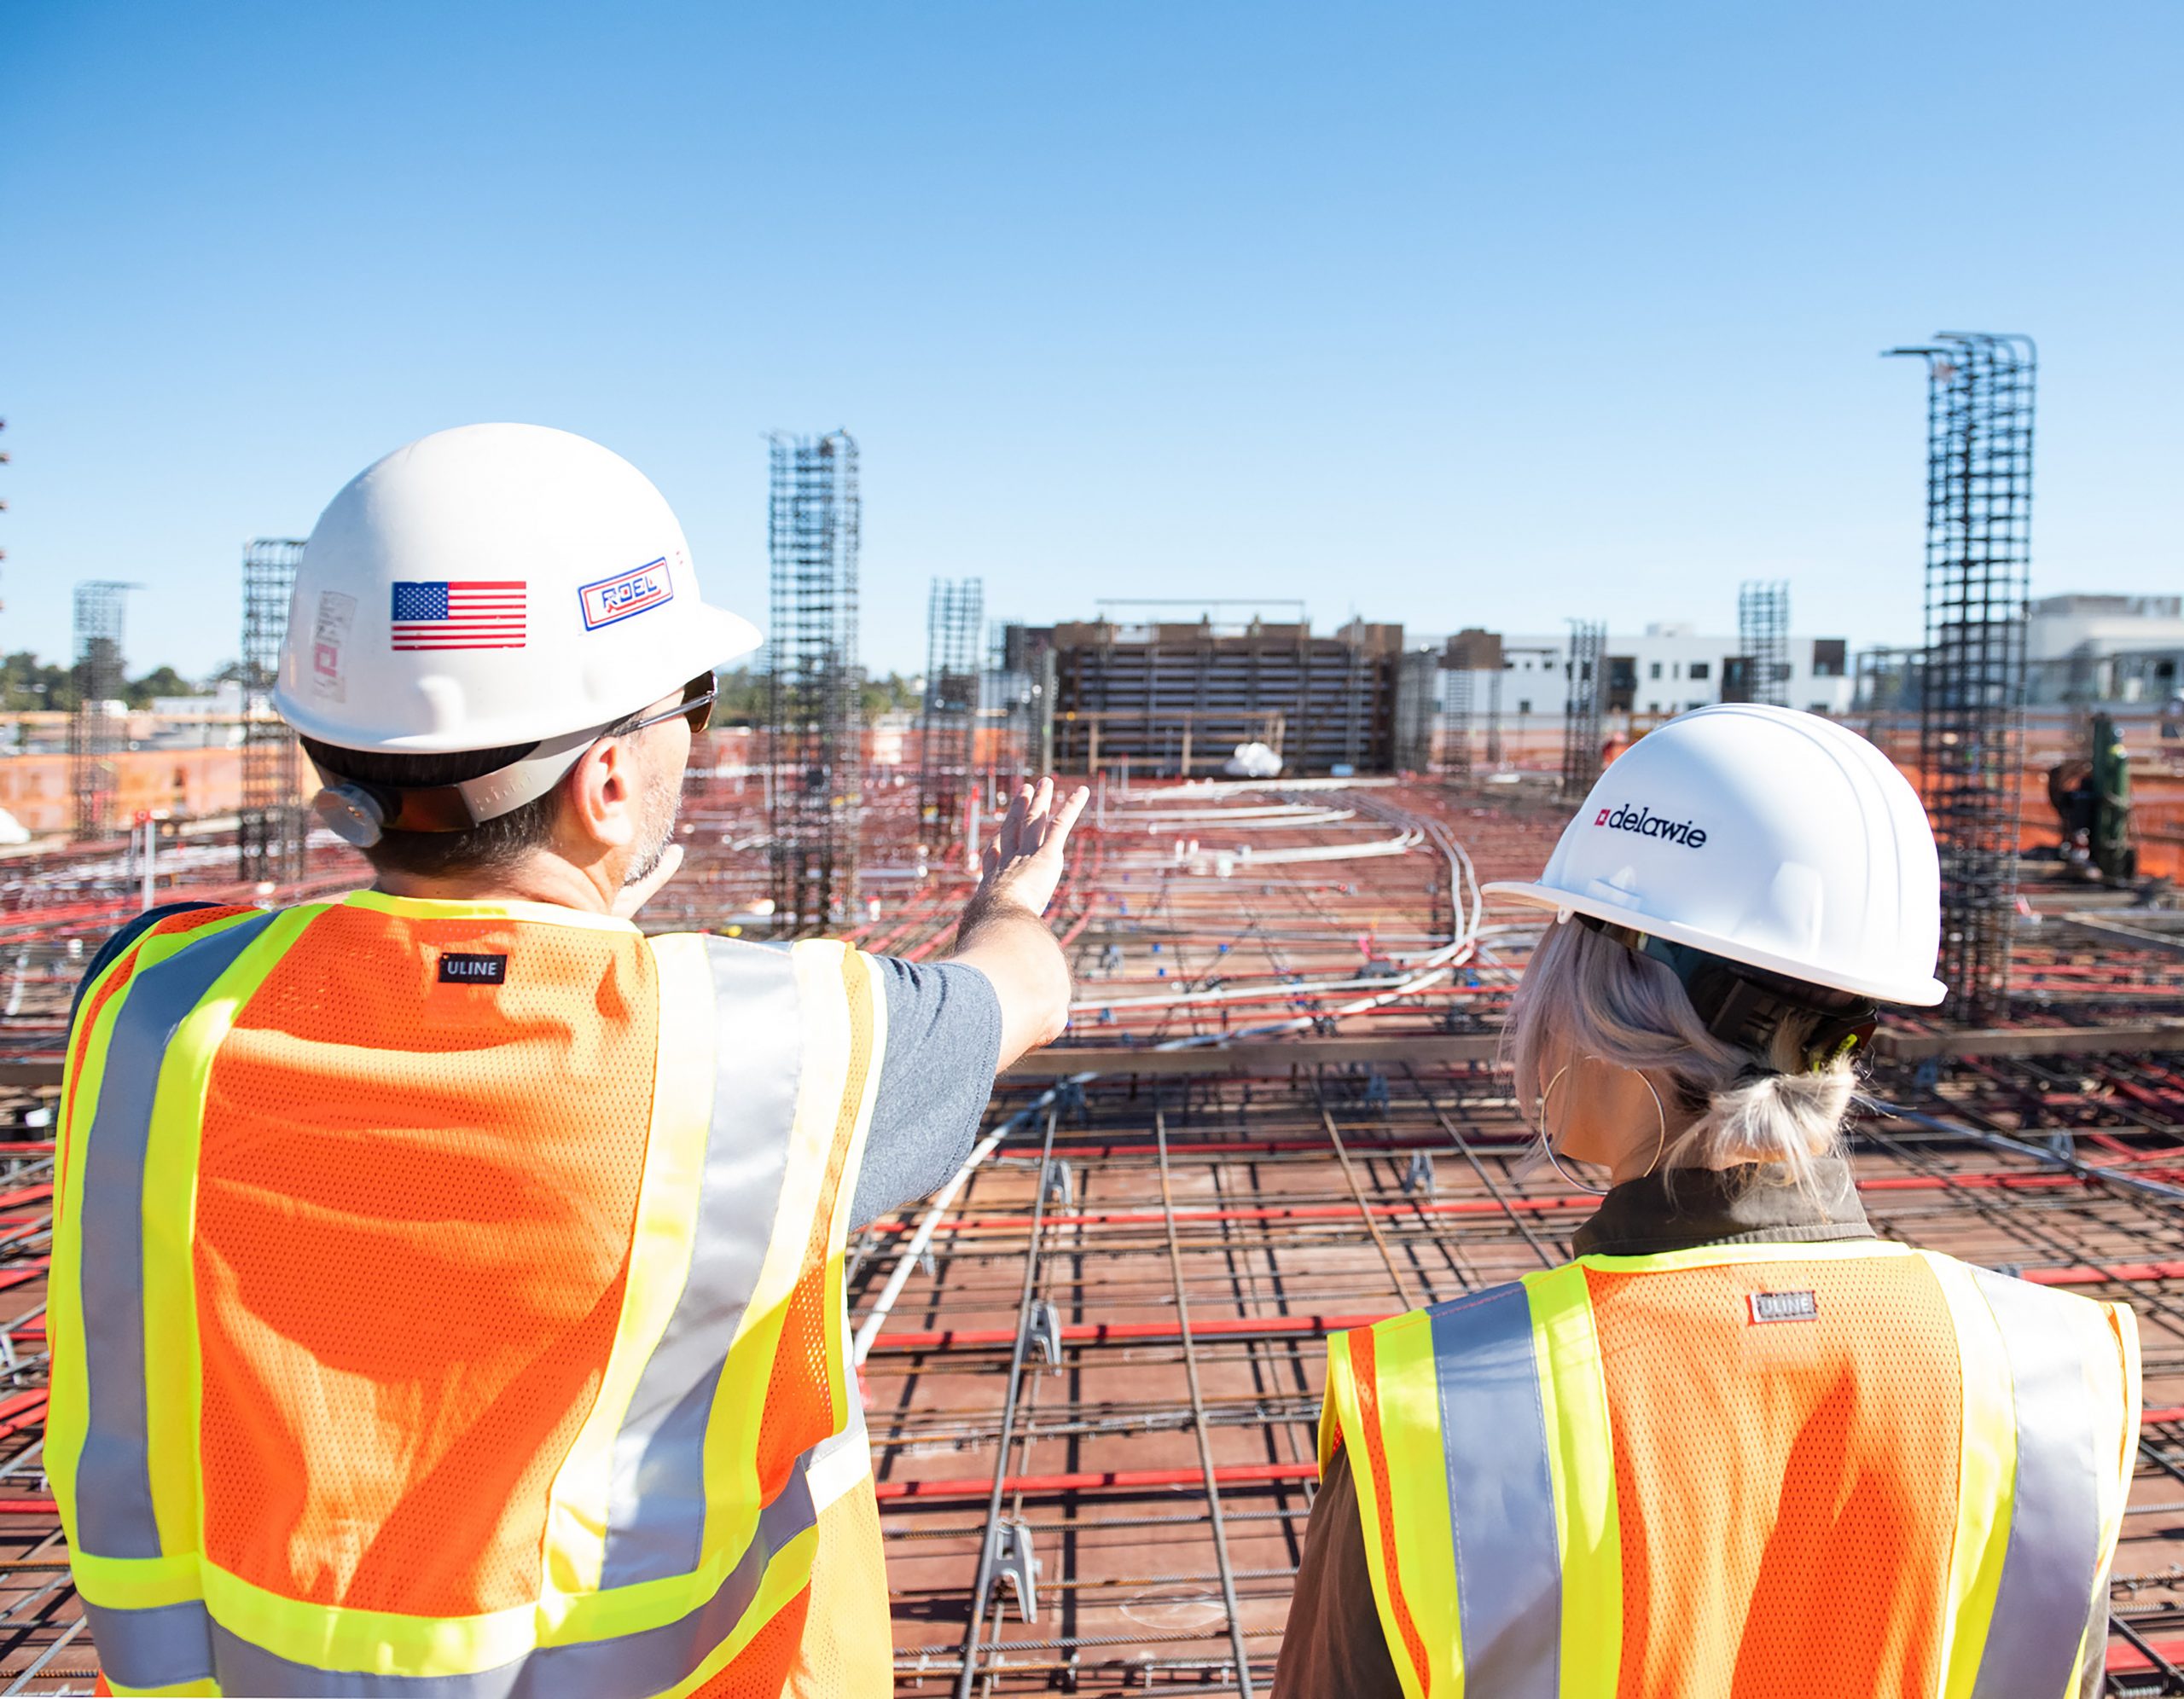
x: 1921, y: 993
x: 704, y: 637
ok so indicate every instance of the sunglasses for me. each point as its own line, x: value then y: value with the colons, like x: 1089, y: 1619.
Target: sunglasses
x: 696, y: 706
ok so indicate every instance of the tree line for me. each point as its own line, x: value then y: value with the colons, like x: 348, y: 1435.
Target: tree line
x: 28, y: 685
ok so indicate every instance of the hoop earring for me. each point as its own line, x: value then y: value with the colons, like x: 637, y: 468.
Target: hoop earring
x: 1546, y: 1140
x: 1660, y: 1144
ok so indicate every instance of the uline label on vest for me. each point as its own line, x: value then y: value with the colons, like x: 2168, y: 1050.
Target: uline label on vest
x: 1785, y: 1307
x: 472, y: 970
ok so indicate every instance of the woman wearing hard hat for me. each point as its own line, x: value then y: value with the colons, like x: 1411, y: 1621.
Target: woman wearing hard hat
x: 1740, y: 1444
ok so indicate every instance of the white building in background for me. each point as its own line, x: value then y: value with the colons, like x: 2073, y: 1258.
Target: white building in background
x: 2115, y: 649
x: 1668, y: 669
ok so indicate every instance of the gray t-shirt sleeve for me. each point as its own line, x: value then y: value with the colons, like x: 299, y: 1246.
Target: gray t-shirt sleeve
x: 944, y: 1041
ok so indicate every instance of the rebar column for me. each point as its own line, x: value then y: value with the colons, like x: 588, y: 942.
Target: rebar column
x: 814, y: 721
x: 95, y: 735
x: 1456, y: 714
x: 1764, y: 635
x: 1581, y: 717
x: 1979, y: 407
x: 955, y: 622
x: 270, y: 827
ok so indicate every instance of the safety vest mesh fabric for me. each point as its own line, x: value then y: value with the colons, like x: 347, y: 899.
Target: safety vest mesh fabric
x: 1827, y: 1470
x: 461, y: 1332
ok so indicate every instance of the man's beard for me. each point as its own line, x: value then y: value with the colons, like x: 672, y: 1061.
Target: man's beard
x: 663, y: 802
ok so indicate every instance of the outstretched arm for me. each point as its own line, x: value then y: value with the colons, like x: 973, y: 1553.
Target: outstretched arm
x: 1003, y: 932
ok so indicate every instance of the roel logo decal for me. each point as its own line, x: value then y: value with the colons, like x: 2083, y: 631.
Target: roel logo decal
x: 609, y: 600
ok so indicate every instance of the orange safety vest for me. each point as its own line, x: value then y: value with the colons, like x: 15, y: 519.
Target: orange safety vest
x: 1808, y: 1472
x: 446, y: 1302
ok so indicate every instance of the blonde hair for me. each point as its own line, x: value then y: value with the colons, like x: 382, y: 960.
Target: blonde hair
x: 1588, y: 995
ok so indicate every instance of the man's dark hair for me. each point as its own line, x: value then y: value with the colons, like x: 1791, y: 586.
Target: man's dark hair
x: 494, y: 844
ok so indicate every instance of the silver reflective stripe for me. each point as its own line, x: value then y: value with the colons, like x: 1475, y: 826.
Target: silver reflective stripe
x: 1501, y: 1495
x: 114, y: 1478
x: 2053, y: 1555
x: 161, y: 1647
x: 656, y: 1503
x: 627, y: 1666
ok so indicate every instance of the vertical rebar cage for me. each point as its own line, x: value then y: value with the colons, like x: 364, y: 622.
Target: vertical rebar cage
x: 955, y: 625
x: 813, y: 734
x: 1764, y: 635
x: 1979, y: 406
x: 94, y: 734
x: 270, y: 829
x: 1580, y: 722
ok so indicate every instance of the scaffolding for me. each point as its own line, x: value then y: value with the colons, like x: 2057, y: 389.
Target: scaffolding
x: 814, y: 731
x: 1763, y: 636
x: 1979, y: 406
x: 948, y: 722
x: 1581, y: 720
x: 94, y: 734
x: 270, y: 829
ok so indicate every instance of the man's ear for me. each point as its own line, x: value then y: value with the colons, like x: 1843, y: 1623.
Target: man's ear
x: 600, y: 794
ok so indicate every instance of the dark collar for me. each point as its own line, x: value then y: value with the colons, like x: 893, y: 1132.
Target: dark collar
x: 1750, y: 1205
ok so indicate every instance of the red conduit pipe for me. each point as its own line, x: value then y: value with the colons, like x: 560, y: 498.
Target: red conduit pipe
x: 1133, y: 1332
x: 2013, y: 1180
x: 931, y: 1490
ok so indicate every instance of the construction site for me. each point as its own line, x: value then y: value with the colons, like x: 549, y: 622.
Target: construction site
x: 1091, y: 1366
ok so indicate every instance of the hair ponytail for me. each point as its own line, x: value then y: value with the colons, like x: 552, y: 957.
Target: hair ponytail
x: 1587, y: 995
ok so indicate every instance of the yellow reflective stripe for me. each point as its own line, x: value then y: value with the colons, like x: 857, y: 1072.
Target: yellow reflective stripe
x: 739, y: 1405
x: 173, y: 1396
x: 137, y: 1583
x: 67, y: 1417
x: 461, y: 908
x: 1985, y: 1476
x: 787, y: 1576
x: 1428, y: 1573
x: 1581, y: 1458
x: 1410, y: 1390
x: 188, y: 1690
x: 68, y: 1408
x: 329, y: 1637
x: 2119, y: 1325
x: 665, y: 1229
x: 376, y: 1642
x: 867, y: 1014
x: 1714, y: 1255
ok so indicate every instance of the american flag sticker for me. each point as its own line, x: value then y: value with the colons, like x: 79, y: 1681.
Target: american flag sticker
x: 461, y: 613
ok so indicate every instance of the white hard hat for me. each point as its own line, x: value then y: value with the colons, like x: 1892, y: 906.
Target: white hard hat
x: 493, y: 585
x: 1766, y: 837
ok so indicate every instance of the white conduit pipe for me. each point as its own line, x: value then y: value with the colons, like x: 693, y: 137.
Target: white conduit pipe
x: 1432, y: 967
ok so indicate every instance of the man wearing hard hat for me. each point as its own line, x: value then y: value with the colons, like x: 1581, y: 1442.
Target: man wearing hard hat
x: 447, y: 1278
x: 1740, y: 1444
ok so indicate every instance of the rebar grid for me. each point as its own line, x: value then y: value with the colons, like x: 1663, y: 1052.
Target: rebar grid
x: 94, y: 732
x: 954, y: 623
x: 270, y: 827
x: 1586, y: 670
x: 1293, y: 1201
x: 1764, y: 635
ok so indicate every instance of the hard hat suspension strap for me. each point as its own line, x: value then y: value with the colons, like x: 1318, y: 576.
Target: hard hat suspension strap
x: 361, y: 810
x: 1745, y: 1006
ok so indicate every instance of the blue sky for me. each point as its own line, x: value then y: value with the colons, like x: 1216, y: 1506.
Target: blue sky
x: 1448, y: 315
